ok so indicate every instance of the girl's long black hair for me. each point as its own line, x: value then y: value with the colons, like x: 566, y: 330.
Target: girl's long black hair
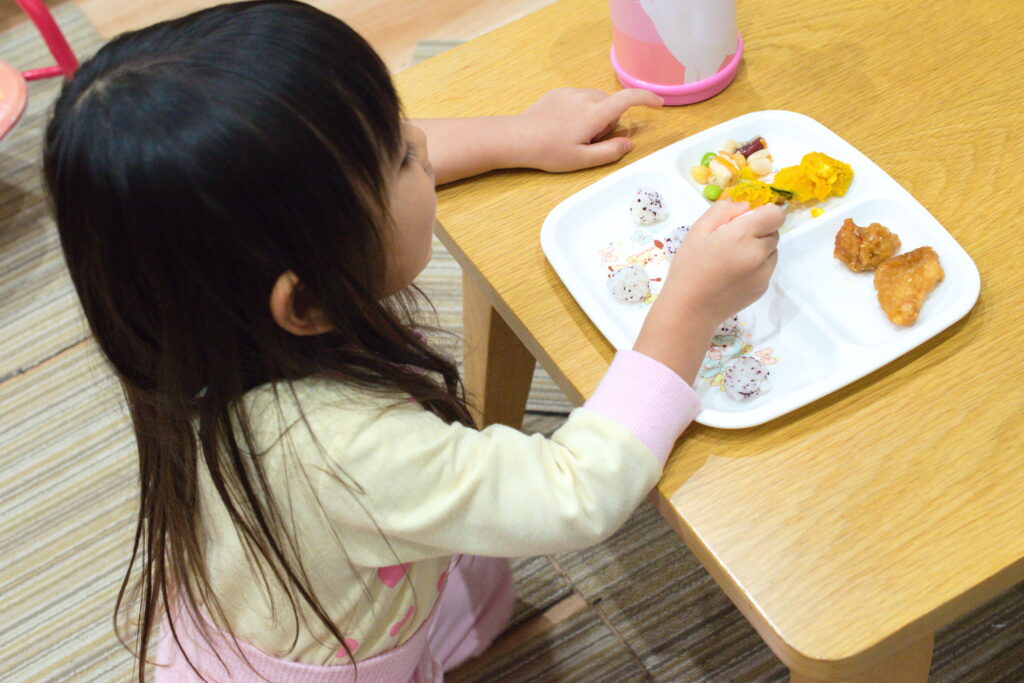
x: 189, y: 165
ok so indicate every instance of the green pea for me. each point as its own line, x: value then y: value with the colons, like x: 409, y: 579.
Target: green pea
x: 712, y: 192
x: 706, y: 159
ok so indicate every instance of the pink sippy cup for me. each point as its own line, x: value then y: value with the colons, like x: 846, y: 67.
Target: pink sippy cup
x: 684, y: 50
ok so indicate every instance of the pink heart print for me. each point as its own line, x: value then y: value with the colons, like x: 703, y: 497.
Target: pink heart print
x: 390, y: 576
x: 398, y: 625
x: 352, y: 644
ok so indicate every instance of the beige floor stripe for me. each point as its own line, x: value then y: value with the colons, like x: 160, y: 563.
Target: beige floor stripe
x: 38, y: 313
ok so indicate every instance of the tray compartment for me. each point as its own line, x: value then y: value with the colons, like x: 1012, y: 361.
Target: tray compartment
x: 847, y: 300
x: 804, y: 353
x: 790, y: 136
x: 584, y: 229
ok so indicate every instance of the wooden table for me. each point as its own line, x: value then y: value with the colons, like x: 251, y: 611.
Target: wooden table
x: 848, y: 531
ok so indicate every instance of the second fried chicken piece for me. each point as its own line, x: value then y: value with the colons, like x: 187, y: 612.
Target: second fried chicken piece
x: 864, y: 248
x: 904, y: 281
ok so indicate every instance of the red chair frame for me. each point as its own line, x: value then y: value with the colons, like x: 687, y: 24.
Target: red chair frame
x: 67, y: 63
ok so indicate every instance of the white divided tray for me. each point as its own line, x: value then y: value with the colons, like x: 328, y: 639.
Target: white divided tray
x: 819, y: 326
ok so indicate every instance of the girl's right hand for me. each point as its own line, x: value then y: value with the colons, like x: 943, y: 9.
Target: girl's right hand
x: 727, y: 258
x: 723, y: 265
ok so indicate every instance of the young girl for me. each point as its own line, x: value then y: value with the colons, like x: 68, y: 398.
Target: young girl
x: 243, y: 211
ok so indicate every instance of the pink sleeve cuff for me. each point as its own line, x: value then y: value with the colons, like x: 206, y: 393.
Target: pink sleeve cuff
x: 648, y: 399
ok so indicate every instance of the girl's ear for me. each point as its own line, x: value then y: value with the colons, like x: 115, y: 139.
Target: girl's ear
x: 293, y: 309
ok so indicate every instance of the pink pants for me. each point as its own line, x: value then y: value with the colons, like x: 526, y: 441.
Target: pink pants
x: 473, y: 609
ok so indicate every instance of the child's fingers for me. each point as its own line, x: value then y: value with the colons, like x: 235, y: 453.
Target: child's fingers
x: 771, y: 217
x: 770, y: 244
x: 603, y: 152
x: 767, y: 266
x: 718, y: 214
x: 616, y: 104
x: 594, y: 94
x: 762, y: 273
x: 607, y: 130
x: 761, y: 222
x: 764, y: 247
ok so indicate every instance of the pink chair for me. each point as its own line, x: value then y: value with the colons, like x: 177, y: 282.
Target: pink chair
x: 13, y: 93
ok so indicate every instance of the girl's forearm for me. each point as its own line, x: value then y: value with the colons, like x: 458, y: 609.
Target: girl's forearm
x: 676, y: 334
x: 464, y: 147
x: 565, y: 130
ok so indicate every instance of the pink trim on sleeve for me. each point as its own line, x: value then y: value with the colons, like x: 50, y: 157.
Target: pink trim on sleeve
x: 648, y: 399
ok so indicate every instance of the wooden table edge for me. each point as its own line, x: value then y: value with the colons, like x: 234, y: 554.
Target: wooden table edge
x: 503, y: 309
x: 822, y: 666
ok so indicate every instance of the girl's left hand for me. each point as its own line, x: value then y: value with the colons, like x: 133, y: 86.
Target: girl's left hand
x: 565, y: 129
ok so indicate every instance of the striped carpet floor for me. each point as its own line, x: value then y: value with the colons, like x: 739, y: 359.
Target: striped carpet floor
x: 67, y: 472
x: 67, y: 491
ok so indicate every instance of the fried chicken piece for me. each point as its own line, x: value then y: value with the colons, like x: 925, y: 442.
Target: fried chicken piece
x: 864, y: 248
x: 904, y: 281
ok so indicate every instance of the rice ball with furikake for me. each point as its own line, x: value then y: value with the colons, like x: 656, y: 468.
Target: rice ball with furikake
x: 648, y: 206
x: 630, y: 284
x: 744, y: 378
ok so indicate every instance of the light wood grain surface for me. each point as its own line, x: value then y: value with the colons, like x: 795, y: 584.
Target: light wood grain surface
x: 851, y: 529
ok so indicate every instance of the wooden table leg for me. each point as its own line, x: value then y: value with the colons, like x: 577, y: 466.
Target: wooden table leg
x: 498, y: 369
x: 909, y: 665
